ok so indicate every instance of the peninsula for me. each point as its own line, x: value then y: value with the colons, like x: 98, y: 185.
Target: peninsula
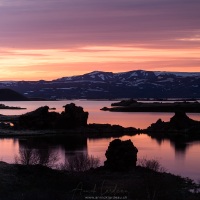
x: 2, y: 106
x: 135, y: 106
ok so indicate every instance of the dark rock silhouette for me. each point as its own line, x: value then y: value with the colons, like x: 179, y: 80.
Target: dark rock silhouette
x: 75, y: 115
x: 121, y: 155
x: 180, y: 121
x: 2, y: 106
x: 180, y: 128
x: 128, y: 102
x: 105, y: 109
x: 41, y: 118
x: 108, y: 130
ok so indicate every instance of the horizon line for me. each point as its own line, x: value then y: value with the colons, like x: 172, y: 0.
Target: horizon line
x: 183, y: 72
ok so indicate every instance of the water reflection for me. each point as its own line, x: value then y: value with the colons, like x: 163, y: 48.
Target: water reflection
x: 69, y: 143
x: 48, y: 147
x: 126, y: 119
x: 181, y: 159
x: 180, y: 147
x: 177, y: 158
x: 44, y: 157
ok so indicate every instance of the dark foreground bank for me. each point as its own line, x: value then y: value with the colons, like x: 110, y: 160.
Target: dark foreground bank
x: 41, y: 183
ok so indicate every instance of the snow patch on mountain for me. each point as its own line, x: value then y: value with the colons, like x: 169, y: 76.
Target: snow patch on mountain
x: 134, y: 74
x: 166, y: 80
x: 102, y: 76
x: 180, y: 74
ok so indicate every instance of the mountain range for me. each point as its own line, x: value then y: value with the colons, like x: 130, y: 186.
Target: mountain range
x: 109, y: 85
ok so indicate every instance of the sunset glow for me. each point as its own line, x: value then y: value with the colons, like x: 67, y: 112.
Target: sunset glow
x: 52, y: 39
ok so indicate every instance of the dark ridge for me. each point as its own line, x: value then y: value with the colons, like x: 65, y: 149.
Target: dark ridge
x: 11, y: 95
x: 138, y: 84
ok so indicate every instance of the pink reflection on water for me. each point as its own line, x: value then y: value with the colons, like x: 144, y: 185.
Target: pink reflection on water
x: 8, y: 150
x: 186, y: 164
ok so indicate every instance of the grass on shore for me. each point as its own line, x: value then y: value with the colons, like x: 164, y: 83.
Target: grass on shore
x: 36, y: 182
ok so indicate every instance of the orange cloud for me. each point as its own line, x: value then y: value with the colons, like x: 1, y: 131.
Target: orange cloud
x: 19, y: 64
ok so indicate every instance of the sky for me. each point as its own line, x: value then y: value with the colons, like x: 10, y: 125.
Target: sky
x: 49, y: 39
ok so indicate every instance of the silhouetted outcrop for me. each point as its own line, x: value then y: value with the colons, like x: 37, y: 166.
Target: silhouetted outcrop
x: 180, y: 121
x: 11, y: 95
x: 179, y: 127
x: 128, y: 102
x: 41, y: 118
x: 75, y: 115
x: 108, y: 130
x: 2, y: 106
x: 121, y: 155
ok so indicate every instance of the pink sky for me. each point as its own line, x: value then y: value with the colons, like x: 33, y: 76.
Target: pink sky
x: 49, y: 39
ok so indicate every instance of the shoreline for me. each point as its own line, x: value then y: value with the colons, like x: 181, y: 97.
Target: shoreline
x: 39, y: 181
x: 132, y: 105
x: 92, y: 131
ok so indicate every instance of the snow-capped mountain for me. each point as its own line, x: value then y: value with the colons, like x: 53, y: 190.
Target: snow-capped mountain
x: 98, y: 84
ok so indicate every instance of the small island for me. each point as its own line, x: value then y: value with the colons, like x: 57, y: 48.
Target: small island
x: 2, y: 106
x: 180, y: 128
x: 132, y: 105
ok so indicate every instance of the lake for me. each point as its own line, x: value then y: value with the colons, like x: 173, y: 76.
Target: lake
x: 175, y: 158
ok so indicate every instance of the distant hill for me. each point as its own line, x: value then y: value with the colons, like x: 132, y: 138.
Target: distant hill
x: 11, y: 95
x: 109, y: 85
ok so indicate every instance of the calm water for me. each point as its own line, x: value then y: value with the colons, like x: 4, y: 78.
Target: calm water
x: 177, y: 159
